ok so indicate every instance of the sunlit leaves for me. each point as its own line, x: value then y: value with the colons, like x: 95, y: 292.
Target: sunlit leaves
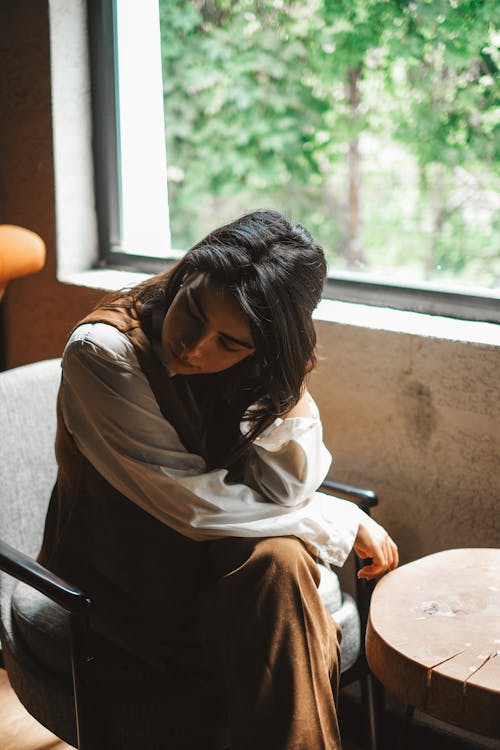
x: 258, y: 112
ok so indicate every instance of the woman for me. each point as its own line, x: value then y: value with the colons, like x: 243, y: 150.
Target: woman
x: 189, y: 453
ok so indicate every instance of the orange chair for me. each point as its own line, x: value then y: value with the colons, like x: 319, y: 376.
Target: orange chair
x: 22, y: 252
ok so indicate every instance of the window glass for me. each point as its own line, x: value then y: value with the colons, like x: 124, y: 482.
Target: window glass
x: 372, y: 122
x: 144, y: 213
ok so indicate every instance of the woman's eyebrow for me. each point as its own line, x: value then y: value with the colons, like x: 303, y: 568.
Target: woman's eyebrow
x: 194, y: 296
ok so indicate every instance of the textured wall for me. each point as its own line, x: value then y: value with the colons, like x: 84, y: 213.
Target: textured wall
x: 26, y: 159
x: 38, y: 311
x: 419, y: 419
x: 415, y: 417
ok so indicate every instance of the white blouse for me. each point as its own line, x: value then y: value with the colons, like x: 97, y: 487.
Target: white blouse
x: 115, y: 420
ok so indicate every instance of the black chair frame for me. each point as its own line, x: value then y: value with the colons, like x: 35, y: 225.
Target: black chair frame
x: 372, y: 691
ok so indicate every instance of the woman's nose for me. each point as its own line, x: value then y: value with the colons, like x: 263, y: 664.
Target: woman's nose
x: 195, y: 345
x: 187, y: 343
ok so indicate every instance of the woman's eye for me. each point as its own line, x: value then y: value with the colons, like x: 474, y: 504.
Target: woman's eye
x: 226, y: 346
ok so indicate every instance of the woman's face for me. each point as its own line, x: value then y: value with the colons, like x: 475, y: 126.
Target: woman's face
x: 204, y: 330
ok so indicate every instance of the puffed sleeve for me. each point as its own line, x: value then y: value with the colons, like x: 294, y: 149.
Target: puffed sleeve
x: 288, y: 461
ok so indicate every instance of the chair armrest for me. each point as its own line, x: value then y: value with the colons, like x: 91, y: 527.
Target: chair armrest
x: 24, y: 568
x: 364, y: 498
x: 73, y: 600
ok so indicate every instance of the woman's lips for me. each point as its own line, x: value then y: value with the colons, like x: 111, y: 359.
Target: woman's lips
x: 175, y: 355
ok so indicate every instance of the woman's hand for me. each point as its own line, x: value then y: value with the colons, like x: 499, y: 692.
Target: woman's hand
x: 373, y: 541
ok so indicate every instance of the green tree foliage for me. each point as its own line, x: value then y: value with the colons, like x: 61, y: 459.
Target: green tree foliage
x: 375, y: 122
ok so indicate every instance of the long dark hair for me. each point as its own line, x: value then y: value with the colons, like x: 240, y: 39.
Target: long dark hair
x: 276, y: 271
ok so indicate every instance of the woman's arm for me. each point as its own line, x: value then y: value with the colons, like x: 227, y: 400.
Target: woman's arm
x: 109, y: 409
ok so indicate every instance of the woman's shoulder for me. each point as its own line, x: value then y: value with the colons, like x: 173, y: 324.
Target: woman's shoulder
x: 100, y: 339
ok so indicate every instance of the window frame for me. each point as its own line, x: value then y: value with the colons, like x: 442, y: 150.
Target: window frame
x: 101, y: 21
x: 341, y: 286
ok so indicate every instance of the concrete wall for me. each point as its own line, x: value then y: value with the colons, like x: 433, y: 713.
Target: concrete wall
x: 416, y: 417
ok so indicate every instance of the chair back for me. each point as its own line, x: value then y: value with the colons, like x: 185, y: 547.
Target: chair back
x: 22, y: 252
x: 27, y: 461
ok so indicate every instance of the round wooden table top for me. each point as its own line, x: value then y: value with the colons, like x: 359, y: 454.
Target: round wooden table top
x: 433, y: 636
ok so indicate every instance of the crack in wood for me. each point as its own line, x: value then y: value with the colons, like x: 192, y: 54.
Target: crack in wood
x: 491, y: 656
x: 428, y: 676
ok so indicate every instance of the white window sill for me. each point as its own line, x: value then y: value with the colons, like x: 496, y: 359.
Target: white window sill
x: 344, y: 313
x: 401, y: 321
x: 103, y: 278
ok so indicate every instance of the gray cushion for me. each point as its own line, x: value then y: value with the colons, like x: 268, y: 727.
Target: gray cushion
x: 28, y: 465
x: 345, y: 613
x: 348, y: 619
x: 43, y: 627
x: 133, y: 700
x: 329, y: 589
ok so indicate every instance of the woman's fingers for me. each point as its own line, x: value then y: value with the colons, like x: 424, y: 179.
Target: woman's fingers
x: 373, y: 541
x: 394, y: 554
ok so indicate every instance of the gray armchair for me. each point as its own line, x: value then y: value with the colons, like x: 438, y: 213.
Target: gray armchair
x: 53, y: 662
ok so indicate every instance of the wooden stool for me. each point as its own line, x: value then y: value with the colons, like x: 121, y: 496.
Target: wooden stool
x: 433, y: 636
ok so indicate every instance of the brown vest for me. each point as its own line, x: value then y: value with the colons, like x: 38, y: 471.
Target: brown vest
x: 143, y: 577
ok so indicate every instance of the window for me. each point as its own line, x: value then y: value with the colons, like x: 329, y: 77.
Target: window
x: 372, y: 122
x: 129, y: 134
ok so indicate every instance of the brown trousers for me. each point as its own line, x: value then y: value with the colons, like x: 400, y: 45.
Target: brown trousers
x: 272, y: 646
x: 249, y: 646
